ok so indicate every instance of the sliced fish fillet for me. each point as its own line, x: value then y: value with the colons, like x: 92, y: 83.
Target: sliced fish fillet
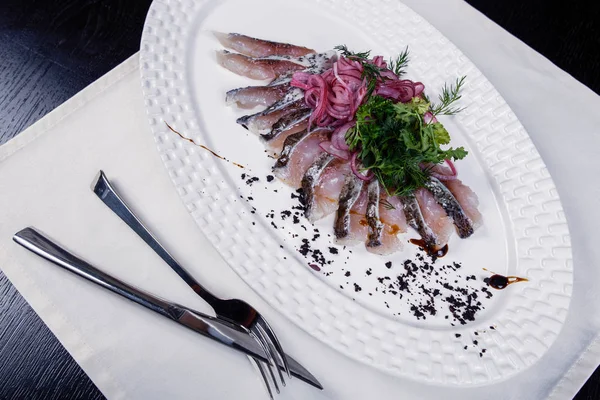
x: 309, y: 183
x: 391, y: 215
x: 276, y: 145
x: 467, y: 199
x: 416, y: 220
x: 327, y: 192
x: 273, y: 67
x: 253, y: 96
x: 262, y: 122
x: 374, y: 224
x: 254, y: 47
x: 256, y: 68
x: 290, y: 123
x: 348, y: 211
x: 435, y: 217
x: 451, y: 206
x: 300, y: 151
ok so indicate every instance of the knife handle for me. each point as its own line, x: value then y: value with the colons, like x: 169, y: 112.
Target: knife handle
x: 37, y: 243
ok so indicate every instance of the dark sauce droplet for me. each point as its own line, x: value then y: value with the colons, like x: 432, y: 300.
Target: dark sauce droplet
x: 436, y: 252
x: 501, y: 282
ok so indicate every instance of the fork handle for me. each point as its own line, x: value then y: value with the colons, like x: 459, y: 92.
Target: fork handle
x: 104, y: 190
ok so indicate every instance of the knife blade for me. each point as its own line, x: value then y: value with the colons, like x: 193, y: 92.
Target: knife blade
x: 223, y: 332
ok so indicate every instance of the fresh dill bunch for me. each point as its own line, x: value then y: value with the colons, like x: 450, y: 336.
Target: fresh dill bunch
x: 450, y: 95
x: 398, y: 66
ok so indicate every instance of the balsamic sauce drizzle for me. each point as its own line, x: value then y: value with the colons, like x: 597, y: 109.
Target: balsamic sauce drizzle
x: 204, y: 147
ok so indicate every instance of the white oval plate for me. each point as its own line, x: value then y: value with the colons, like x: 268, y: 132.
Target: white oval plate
x: 349, y: 304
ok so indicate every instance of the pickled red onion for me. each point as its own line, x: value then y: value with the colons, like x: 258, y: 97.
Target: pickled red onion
x: 334, y: 151
x: 353, y: 165
x: 338, y: 138
x: 446, y: 177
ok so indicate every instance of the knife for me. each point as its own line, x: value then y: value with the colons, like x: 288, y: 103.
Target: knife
x: 213, y: 328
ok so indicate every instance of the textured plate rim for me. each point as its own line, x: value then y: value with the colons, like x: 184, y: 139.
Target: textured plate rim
x: 510, y: 158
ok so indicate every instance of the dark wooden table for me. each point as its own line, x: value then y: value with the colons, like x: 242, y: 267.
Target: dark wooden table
x: 51, y: 49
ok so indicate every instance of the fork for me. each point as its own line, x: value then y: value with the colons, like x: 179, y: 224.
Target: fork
x: 233, y: 310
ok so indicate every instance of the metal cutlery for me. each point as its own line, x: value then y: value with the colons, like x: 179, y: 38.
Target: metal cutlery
x: 233, y: 310
x: 224, y: 332
x: 227, y: 334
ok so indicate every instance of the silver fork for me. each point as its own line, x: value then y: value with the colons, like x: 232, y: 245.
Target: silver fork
x: 234, y: 310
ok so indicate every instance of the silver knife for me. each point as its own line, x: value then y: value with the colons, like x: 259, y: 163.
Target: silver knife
x: 221, y: 331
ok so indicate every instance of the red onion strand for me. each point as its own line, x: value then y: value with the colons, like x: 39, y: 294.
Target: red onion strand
x: 331, y: 149
x: 355, y: 169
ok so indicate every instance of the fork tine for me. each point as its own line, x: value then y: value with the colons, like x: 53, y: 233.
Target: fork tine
x: 261, y: 369
x: 274, y: 353
x: 258, y: 336
x: 279, y: 349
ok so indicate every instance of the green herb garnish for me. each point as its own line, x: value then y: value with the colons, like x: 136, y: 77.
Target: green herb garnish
x: 387, y: 205
x: 394, y: 142
x: 398, y: 66
x: 392, y: 139
x: 450, y: 95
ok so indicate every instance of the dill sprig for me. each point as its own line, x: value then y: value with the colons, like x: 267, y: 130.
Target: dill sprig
x: 398, y: 66
x: 450, y: 95
x: 352, y: 55
x: 387, y: 205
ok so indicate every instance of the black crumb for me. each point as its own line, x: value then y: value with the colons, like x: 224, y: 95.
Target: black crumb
x: 457, y: 335
x: 270, y: 178
x: 388, y: 264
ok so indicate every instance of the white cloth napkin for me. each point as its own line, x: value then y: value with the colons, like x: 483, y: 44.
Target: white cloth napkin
x: 129, y: 352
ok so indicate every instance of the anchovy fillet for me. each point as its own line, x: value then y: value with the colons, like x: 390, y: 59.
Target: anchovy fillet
x: 288, y: 147
x: 373, y: 222
x: 287, y: 122
x: 259, y: 94
x: 415, y: 219
x: 255, y: 47
x: 348, y: 196
x: 282, y: 79
x: 317, y: 68
x: 310, y: 180
x: 314, y: 63
x: 293, y: 99
x: 446, y: 199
